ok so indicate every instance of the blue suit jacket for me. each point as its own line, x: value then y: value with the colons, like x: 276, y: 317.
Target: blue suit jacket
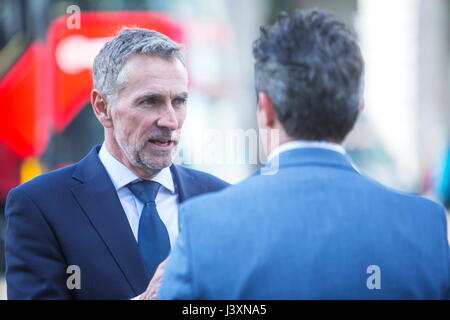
x: 317, y: 229
x: 73, y: 216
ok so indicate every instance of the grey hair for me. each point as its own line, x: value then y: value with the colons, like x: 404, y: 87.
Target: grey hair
x: 109, y: 62
x: 311, y: 66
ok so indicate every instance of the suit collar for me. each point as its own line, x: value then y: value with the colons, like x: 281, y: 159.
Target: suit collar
x: 89, y: 167
x: 309, y: 157
x: 297, y: 144
x: 186, y: 183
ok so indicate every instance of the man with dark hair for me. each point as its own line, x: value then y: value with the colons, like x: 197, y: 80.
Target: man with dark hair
x: 98, y: 229
x: 317, y: 228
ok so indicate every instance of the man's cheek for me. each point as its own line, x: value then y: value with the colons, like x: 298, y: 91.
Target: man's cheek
x: 181, y: 117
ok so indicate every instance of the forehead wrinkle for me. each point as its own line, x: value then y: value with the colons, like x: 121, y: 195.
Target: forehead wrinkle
x: 156, y: 67
x: 155, y: 81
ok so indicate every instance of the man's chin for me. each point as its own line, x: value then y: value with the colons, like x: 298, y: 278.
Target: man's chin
x: 158, y: 164
x: 156, y: 160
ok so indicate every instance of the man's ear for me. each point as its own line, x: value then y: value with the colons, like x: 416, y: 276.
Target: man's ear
x: 266, y: 110
x: 101, y: 108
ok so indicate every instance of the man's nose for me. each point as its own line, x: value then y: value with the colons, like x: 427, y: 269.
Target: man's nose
x: 168, y: 119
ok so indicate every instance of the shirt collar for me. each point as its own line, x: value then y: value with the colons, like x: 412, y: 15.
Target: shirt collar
x: 121, y: 176
x: 306, y: 144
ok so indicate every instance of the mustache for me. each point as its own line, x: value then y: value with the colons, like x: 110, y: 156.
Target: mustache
x: 164, y: 133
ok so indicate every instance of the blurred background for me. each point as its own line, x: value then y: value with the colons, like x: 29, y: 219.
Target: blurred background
x: 47, y: 47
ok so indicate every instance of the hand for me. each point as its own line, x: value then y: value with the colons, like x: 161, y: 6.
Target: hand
x: 152, y: 291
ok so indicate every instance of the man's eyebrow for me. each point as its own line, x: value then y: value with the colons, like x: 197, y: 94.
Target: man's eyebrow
x: 146, y: 96
x: 183, y: 95
x: 158, y: 97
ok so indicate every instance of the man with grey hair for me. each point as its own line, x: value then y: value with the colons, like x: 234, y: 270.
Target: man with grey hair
x: 98, y: 229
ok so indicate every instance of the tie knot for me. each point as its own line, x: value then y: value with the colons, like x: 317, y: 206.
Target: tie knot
x: 145, y: 191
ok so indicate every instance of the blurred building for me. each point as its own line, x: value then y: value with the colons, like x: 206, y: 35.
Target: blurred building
x: 403, y: 134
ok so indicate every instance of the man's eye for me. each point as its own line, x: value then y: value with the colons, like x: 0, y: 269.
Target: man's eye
x: 179, y: 101
x: 149, y: 101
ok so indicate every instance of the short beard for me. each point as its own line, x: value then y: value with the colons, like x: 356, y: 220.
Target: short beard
x: 136, y: 155
x: 141, y: 163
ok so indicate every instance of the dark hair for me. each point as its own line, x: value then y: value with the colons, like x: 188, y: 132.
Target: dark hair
x: 309, y: 63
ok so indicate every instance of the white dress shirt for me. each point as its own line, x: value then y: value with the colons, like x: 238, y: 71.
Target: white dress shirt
x: 306, y: 144
x: 166, y: 199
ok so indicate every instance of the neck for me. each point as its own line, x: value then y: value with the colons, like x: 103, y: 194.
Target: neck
x: 275, y: 138
x: 278, y: 136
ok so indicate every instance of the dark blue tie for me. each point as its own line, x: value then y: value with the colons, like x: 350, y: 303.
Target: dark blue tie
x: 153, y: 238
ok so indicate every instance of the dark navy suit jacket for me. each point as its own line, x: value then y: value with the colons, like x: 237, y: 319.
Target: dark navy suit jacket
x: 317, y: 229
x: 73, y: 216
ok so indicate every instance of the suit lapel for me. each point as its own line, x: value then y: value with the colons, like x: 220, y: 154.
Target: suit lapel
x: 98, y: 198
x: 186, y: 184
